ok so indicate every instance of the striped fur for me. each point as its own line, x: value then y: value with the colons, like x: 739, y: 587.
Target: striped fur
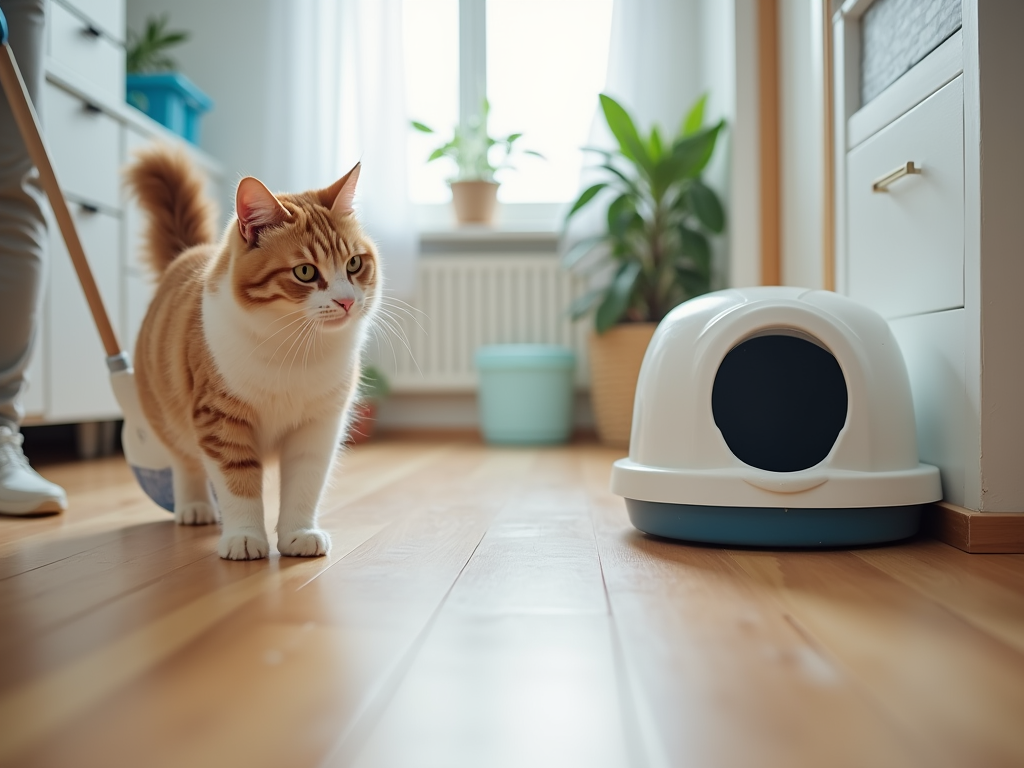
x: 238, y: 360
x: 171, y: 193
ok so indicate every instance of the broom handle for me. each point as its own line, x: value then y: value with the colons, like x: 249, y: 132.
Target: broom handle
x: 28, y: 124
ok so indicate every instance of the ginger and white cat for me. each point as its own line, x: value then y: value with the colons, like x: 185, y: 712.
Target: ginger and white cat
x: 251, y: 346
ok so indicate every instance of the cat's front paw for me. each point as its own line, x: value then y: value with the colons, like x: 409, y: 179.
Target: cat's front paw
x: 305, y: 542
x: 243, y: 545
x: 195, y: 513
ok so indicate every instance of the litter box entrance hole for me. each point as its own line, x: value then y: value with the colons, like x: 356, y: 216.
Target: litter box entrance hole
x: 780, y: 402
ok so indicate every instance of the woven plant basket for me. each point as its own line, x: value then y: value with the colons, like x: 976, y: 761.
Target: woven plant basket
x: 615, y: 358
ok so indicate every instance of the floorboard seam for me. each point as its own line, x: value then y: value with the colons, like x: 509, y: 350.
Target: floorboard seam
x: 358, y: 731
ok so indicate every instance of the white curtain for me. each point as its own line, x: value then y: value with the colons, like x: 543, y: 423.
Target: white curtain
x: 336, y: 97
x: 654, y: 60
x: 654, y: 71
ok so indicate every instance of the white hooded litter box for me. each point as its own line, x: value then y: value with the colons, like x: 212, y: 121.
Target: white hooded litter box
x: 774, y: 417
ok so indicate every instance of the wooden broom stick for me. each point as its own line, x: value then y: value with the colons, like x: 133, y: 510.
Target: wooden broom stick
x: 28, y: 124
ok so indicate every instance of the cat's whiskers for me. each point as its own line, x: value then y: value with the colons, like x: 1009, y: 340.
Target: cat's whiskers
x: 298, y: 346
x: 289, y: 336
x: 408, y: 309
x: 394, y: 300
x: 295, y: 336
x: 314, y: 337
x: 377, y: 335
x: 397, y: 322
x: 384, y: 320
x: 280, y: 330
x: 279, y: 319
x: 392, y: 323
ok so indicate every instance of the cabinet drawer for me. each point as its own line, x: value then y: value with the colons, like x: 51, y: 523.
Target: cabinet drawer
x: 85, y: 146
x: 79, y: 385
x: 108, y: 15
x: 906, y: 244
x: 80, y: 47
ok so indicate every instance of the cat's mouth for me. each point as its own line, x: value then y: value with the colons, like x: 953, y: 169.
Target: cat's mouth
x: 335, y: 320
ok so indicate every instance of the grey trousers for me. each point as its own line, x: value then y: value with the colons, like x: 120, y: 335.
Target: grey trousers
x: 22, y: 226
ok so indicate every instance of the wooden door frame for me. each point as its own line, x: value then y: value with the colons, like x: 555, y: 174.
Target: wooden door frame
x: 768, y: 136
x: 769, y: 144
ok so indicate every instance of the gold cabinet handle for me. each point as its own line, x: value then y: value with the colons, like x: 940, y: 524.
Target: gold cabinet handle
x: 882, y: 183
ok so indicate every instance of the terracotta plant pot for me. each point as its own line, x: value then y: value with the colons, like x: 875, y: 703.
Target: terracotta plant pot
x: 364, y: 422
x: 615, y: 358
x: 474, y: 201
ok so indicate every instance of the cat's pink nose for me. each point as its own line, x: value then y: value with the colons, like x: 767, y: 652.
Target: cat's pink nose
x: 345, y: 304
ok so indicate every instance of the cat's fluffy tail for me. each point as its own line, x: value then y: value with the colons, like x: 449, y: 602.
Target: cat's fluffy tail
x: 171, y: 191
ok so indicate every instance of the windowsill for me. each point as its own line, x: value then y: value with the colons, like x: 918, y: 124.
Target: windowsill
x: 529, y: 227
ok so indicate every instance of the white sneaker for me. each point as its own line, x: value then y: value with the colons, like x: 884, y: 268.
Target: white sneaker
x: 22, y: 490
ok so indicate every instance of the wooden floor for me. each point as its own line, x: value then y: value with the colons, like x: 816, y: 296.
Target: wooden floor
x: 487, y: 608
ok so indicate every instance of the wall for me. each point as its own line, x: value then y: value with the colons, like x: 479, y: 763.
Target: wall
x: 228, y: 42
x: 729, y: 75
x: 801, y: 140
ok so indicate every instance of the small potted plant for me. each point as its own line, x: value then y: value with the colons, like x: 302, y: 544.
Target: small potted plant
x: 655, y: 248
x: 477, y: 157
x: 155, y: 88
x: 373, y: 387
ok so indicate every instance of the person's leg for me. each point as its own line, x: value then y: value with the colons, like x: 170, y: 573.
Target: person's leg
x: 22, y: 269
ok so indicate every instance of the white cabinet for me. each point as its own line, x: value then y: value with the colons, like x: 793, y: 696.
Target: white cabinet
x: 79, y: 384
x: 84, y: 46
x: 90, y: 132
x: 933, y: 348
x: 906, y: 239
x: 940, y: 254
x: 85, y: 147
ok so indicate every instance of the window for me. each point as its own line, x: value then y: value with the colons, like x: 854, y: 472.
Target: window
x: 541, y: 65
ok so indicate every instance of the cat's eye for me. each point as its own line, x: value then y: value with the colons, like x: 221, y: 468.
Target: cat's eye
x: 305, y: 272
x: 354, y: 264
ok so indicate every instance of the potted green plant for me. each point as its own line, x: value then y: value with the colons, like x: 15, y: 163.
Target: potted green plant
x: 654, y: 248
x: 153, y: 85
x: 477, y: 157
x: 373, y: 387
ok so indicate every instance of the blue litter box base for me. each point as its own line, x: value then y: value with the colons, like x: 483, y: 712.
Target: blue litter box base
x: 775, y: 526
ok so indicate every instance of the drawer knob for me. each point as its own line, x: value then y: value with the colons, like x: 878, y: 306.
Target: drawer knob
x: 90, y: 31
x: 882, y: 183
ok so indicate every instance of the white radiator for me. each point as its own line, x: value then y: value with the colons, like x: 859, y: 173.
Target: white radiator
x: 463, y: 302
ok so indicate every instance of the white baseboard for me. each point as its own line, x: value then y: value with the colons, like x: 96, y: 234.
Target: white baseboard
x: 453, y: 411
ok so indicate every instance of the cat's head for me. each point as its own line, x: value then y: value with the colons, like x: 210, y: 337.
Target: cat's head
x: 304, y: 256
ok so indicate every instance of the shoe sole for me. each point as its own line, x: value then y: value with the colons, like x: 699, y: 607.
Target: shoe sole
x: 44, y: 508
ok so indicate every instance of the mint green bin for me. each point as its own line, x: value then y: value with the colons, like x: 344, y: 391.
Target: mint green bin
x: 526, y: 393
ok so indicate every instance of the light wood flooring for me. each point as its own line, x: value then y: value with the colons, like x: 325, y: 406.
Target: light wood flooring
x: 492, y: 607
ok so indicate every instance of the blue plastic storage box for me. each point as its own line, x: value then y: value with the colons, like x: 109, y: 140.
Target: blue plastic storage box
x: 171, y: 99
x: 526, y: 393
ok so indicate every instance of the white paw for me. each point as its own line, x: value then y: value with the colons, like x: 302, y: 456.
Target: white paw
x: 243, y: 545
x: 195, y: 513
x: 305, y: 542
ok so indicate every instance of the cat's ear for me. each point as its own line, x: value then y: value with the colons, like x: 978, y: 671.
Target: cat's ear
x: 338, y: 197
x: 257, y: 209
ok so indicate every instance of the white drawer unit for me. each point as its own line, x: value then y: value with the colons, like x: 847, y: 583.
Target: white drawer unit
x: 933, y: 348
x: 906, y: 235
x: 89, y: 132
x: 80, y: 45
x: 79, y: 381
x: 938, y: 251
x: 106, y: 15
x: 85, y: 145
